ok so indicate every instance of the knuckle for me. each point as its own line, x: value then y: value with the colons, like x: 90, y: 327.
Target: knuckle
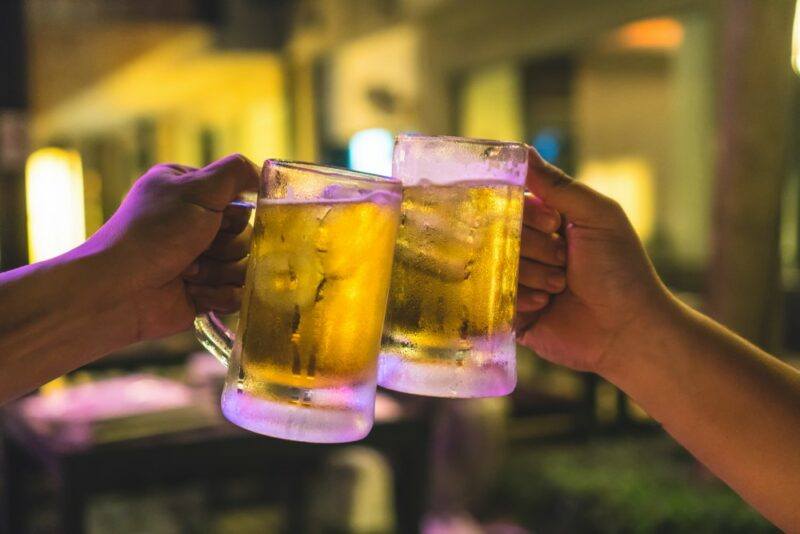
x: 612, y: 207
x: 538, y: 163
x: 160, y: 168
x: 153, y: 181
x: 558, y: 178
x: 238, y: 160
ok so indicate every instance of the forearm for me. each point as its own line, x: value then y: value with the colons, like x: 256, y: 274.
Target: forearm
x: 736, y: 408
x: 57, y: 316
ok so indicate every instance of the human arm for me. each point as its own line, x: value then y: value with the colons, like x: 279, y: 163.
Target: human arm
x: 736, y: 408
x: 173, y: 248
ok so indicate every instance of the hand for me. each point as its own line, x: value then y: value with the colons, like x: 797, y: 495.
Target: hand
x: 176, y: 246
x: 610, y: 283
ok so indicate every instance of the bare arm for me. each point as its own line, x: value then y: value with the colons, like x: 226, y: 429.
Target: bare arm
x: 163, y: 257
x: 59, y: 315
x: 736, y: 408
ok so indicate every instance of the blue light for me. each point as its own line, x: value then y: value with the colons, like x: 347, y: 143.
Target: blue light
x: 371, y: 151
x: 548, y: 143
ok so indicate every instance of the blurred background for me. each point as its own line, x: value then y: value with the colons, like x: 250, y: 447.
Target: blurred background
x: 683, y: 110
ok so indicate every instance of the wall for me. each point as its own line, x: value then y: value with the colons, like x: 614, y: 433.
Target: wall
x: 622, y: 113
x: 490, y: 103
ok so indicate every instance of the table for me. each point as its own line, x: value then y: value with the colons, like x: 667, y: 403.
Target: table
x: 205, y: 456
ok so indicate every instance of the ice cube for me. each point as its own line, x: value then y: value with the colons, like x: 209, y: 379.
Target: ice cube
x: 349, y: 234
x: 438, y: 242
x: 433, y: 261
x: 287, y: 280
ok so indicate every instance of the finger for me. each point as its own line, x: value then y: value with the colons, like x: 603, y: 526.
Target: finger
x: 216, y: 185
x: 535, y: 275
x: 540, y: 216
x: 235, y: 219
x: 529, y: 300
x: 222, y: 299
x: 524, y: 321
x: 579, y: 203
x: 178, y: 167
x: 211, y: 272
x: 192, y: 269
x: 545, y: 248
x: 230, y: 247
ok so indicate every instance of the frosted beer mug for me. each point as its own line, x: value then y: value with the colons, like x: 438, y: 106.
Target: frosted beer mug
x: 449, y: 325
x: 303, y: 362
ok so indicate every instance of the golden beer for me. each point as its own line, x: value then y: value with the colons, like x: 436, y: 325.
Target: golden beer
x: 317, y: 285
x: 454, y: 282
x: 303, y: 362
x: 449, y: 326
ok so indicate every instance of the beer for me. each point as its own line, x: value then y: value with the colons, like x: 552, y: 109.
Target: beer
x: 316, y: 292
x: 453, y: 289
x: 303, y: 362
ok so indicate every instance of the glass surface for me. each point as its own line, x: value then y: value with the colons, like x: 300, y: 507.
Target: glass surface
x: 449, y: 326
x: 304, y: 361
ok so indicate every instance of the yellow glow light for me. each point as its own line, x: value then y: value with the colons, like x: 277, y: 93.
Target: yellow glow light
x: 54, y: 198
x: 240, y: 95
x: 491, y: 103
x: 664, y: 33
x: 629, y: 181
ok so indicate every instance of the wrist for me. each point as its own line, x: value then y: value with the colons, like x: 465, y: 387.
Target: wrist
x: 644, y: 339
x: 99, y: 288
x: 61, y: 313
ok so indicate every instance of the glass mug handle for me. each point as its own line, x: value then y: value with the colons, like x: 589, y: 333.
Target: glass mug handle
x: 211, y: 332
x: 215, y: 337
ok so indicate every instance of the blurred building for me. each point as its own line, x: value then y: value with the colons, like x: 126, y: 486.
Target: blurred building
x: 627, y: 95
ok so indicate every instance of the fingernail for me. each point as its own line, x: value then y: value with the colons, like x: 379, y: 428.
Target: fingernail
x: 556, y: 281
x: 540, y: 298
x: 561, y: 255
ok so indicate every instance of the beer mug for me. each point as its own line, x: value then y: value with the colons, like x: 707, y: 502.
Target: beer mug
x: 449, y: 325
x: 303, y: 362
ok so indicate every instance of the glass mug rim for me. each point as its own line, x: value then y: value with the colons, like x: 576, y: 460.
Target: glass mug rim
x: 410, y: 137
x: 336, y: 172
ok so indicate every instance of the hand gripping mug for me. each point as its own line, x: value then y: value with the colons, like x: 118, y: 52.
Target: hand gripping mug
x: 303, y: 362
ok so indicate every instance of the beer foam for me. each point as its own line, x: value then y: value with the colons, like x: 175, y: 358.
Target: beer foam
x: 412, y: 180
x: 375, y: 197
x: 467, y: 182
x: 444, y: 160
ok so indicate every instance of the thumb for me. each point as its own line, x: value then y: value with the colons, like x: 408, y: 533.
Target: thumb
x: 217, y: 184
x: 580, y: 203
